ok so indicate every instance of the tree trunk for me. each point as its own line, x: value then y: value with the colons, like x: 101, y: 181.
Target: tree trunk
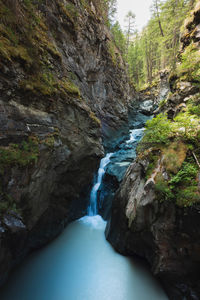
x: 158, y: 16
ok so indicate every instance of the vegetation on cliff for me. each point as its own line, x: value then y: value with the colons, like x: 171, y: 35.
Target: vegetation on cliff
x: 174, y: 145
x: 54, y: 58
x: 171, y: 140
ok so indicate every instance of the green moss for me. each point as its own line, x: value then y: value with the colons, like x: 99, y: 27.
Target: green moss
x: 42, y: 83
x: 189, y: 69
x: 163, y: 192
x: 153, y: 159
x: 32, y: 47
x: 174, y: 156
x: 158, y: 131
x: 21, y: 155
x: 9, y: 51
x: 49, y: 141
x: 162, y: 103
x: 94, y: 118
x: 47, y: 84
x: 68, y: 87
x: 112, y: 52
x: 195, y: 110
x: 7, y: 203
x: 188, y: 196
x: 42, y: 40
x: 182, y: 188
x: 4, y: 52
x: 70, y: 11
x: 186, y: 176
x: 28, y: 43
x: 194, y: 105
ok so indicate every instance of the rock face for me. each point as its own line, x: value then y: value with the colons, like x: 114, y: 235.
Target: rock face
x: 154, y: 94
x: 63, y: 87
x: 167, y: 236
x: 149, y: 216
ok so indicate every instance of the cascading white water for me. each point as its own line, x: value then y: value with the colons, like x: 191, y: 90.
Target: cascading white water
x: 93, y: 207
x: 135, y: 134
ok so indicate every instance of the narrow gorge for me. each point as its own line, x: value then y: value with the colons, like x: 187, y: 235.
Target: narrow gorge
x: 83, y: 146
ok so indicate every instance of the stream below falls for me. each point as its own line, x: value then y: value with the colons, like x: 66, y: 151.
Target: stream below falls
x: 80, y: 264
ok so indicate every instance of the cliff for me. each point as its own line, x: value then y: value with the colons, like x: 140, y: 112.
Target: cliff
x: 156, y: 211
x: 63, y: 88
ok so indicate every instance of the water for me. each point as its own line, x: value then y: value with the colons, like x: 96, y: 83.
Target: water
x: 135, y: 135
x: 93, y: 207
x: 81, y: 265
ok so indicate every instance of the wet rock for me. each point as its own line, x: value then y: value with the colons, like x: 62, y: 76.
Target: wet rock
x: 147, y: 107
x: 166, y: 235
x: 13, y: 222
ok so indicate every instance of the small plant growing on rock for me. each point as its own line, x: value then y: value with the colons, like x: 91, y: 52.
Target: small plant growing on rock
x: 190, y: 66
x: 158, y: 130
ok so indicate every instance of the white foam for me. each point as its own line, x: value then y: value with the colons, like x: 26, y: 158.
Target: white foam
x: 94, y: 221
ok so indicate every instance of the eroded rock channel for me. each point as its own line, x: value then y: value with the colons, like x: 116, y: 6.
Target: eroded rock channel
x: 80, y: 263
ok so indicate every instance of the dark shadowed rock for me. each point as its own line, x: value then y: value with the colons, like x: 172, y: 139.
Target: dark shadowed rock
x: 63, y: 89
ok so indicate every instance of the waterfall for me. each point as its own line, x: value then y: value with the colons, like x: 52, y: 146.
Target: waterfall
x: 93, y: 207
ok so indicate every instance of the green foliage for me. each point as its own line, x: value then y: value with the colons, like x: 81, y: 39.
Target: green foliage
x: 69, y: 87
x: 118, y: 37
x: 110, y: 10
x: 162, y: 103
x: 188, y: 196
x: 155, y: 49
x: 19, y: 154
x: 158, y: 130
x: 7, y: 203
x: 47, y: 84
x: 94, y: 118
x: 182, y: 188
x: 184, y: 185
x: 153, y: 159
x: 195, y: 110
x: 112, y: 51
x: 163, y: 192
x: 186, y: 176
x: 185, y: 124
x: 190, y: 64
x: 69, y: 10
x: 136, y: 61
x: 49, y: 141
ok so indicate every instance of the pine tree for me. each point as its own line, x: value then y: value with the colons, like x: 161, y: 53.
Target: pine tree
x: 130, y: 28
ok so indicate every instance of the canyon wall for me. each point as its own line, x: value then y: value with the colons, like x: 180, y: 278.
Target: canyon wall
x: 156, y: 211
x: 63, y: 87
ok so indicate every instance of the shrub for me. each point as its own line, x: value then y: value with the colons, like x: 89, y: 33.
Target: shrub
x: 158, y: 130
x: 19, y: 154
x: 186, y: 176
x: 190, y: 65
x: 188, y: 196
x: 185, y: 124
x: 195, y: 110
x: 163, y: 191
